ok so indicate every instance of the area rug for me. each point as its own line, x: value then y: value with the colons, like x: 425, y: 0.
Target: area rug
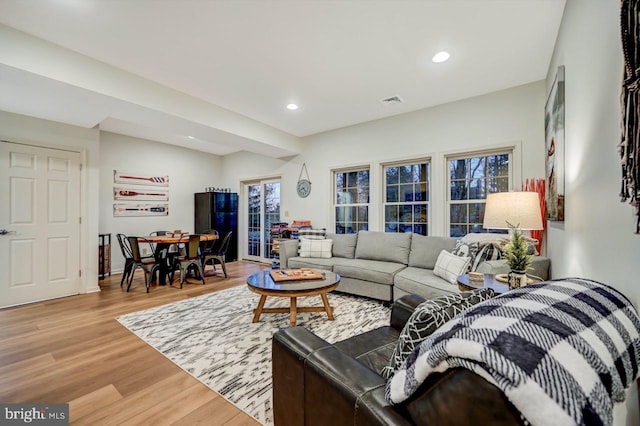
x: 212, y: 338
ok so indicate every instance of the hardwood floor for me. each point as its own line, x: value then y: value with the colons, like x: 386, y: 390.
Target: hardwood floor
x: 73, y: 350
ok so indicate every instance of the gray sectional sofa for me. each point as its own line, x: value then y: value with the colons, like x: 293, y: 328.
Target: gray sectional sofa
x: 386, y: 266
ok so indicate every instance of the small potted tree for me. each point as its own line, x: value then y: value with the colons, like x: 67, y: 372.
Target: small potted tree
x: 516, y: 253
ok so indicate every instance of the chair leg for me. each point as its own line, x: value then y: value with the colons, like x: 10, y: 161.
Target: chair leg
x: 200, y: 271
x: 131, y: 275
x: 183, y: 273
x: 224, y: 268
x: 126, y: 272
x: 147, y: 279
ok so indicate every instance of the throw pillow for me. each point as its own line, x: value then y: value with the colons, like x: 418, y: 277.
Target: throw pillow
x: 464, y: 249
x: 311, y: 234
x: 488, y: 252
x: 315, y: 248
x: 427, y: 318
x: 449, y: 266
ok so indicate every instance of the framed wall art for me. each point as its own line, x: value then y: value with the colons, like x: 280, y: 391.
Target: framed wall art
x: 554, y: 144
x: 122, y: 210
x: 120, y: 193
x: 140, y: 179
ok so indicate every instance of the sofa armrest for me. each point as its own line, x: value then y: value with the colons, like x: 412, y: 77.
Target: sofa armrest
x: 541, y: 267
x: 403, y: 308
x: 290, y: 349
x: 288, y: 249
x: 314, y: 383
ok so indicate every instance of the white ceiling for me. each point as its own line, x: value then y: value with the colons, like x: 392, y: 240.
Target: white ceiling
x: 243, y: 61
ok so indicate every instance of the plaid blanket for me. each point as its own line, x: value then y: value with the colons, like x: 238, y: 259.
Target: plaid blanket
x: 561, y: 351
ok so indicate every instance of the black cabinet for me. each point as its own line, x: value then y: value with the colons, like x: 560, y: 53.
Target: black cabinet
x: 219, y: 211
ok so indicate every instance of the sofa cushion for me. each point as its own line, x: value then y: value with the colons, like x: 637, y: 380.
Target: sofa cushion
x: 311, y: 262
x: 429, y: 316
x: 315, y: 248
x: 425, y: 250
x: 368, y: 270
x: 344, y: 245
x: 384, y: 246
x: 449, y: 266
x: 422, y: 282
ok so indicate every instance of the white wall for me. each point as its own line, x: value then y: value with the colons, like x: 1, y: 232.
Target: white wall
x: 49, y: 134
x: 597, y: 238
x: 189, y: 172
x: 514, y: 116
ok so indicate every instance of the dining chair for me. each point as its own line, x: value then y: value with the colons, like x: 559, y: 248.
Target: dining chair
x: 190, y: 259
x: 207, y: 247
x: 148, y: 264
x: 129, y: 263
x: 218, y: 254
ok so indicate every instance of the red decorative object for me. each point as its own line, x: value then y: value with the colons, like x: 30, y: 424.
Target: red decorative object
x: 538, y: 185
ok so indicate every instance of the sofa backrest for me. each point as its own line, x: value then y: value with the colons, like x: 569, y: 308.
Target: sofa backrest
x: 384, y: 246
x: 344, y: 245
x: 425, y: 250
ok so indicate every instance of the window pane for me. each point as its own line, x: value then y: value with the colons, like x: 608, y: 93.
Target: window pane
x: 458, y: 169
x: 392, y: 175
x: 420, y: 214
x: 406, y: 192
x: 459, y: 190
x: 392, y: 194
x: 477, y: 189
x: 406, y: 174
x: 391, y: 214
x: 458, y: 213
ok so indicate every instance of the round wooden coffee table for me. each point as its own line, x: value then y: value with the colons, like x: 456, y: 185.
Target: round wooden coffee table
x: 263, y: 284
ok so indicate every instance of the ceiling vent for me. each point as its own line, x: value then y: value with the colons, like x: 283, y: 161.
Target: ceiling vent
x: 393, y: 100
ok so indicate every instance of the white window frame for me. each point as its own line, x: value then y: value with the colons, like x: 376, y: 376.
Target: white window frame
x: 334, y: 194
x: 514, y: 170
x: 383, y: 194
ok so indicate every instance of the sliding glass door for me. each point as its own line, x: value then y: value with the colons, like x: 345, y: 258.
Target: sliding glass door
x: 262, y: 199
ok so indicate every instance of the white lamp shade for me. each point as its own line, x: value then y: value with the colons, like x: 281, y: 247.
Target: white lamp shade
x: 520, y: 209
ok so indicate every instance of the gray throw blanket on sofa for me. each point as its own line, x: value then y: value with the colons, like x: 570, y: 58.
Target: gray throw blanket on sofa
x: 561, y: 351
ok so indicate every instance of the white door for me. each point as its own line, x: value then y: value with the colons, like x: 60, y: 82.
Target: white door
x: 39, y: 223
x: 262, y: 199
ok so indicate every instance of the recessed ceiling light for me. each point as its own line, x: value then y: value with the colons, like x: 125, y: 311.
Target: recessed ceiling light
x: 292, y: 107
x: 440, y: 57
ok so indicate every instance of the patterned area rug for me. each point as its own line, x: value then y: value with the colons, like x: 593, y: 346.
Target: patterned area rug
x: 212, y: 338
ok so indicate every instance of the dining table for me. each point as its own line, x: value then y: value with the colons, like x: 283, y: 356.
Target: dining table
x: 162, y: 244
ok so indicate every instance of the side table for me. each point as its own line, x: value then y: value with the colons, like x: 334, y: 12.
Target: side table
x: 489, y: 281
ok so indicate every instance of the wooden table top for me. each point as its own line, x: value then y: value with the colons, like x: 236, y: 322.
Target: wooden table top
x: 169, y: 239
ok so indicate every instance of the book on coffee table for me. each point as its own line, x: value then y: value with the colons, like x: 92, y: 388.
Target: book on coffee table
x: 296, y: 274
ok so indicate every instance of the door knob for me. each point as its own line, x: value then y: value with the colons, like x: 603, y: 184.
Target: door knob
x: 4, y: 232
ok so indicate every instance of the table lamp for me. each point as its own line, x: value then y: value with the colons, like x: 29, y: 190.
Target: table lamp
x: 514, y: 211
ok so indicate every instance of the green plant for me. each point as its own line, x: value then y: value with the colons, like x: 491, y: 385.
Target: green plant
x: 515, y: 252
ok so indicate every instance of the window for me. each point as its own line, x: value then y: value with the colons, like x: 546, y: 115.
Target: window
x: 351, y: 202
x: 406, y: 198
x: 471, y: 178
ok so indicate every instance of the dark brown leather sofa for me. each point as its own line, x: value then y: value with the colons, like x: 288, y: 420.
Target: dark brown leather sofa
x: 318, y: 383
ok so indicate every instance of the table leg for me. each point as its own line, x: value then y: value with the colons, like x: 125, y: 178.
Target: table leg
x: 258, y: 310
x: 293, y: 309
x: 327, y: 306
